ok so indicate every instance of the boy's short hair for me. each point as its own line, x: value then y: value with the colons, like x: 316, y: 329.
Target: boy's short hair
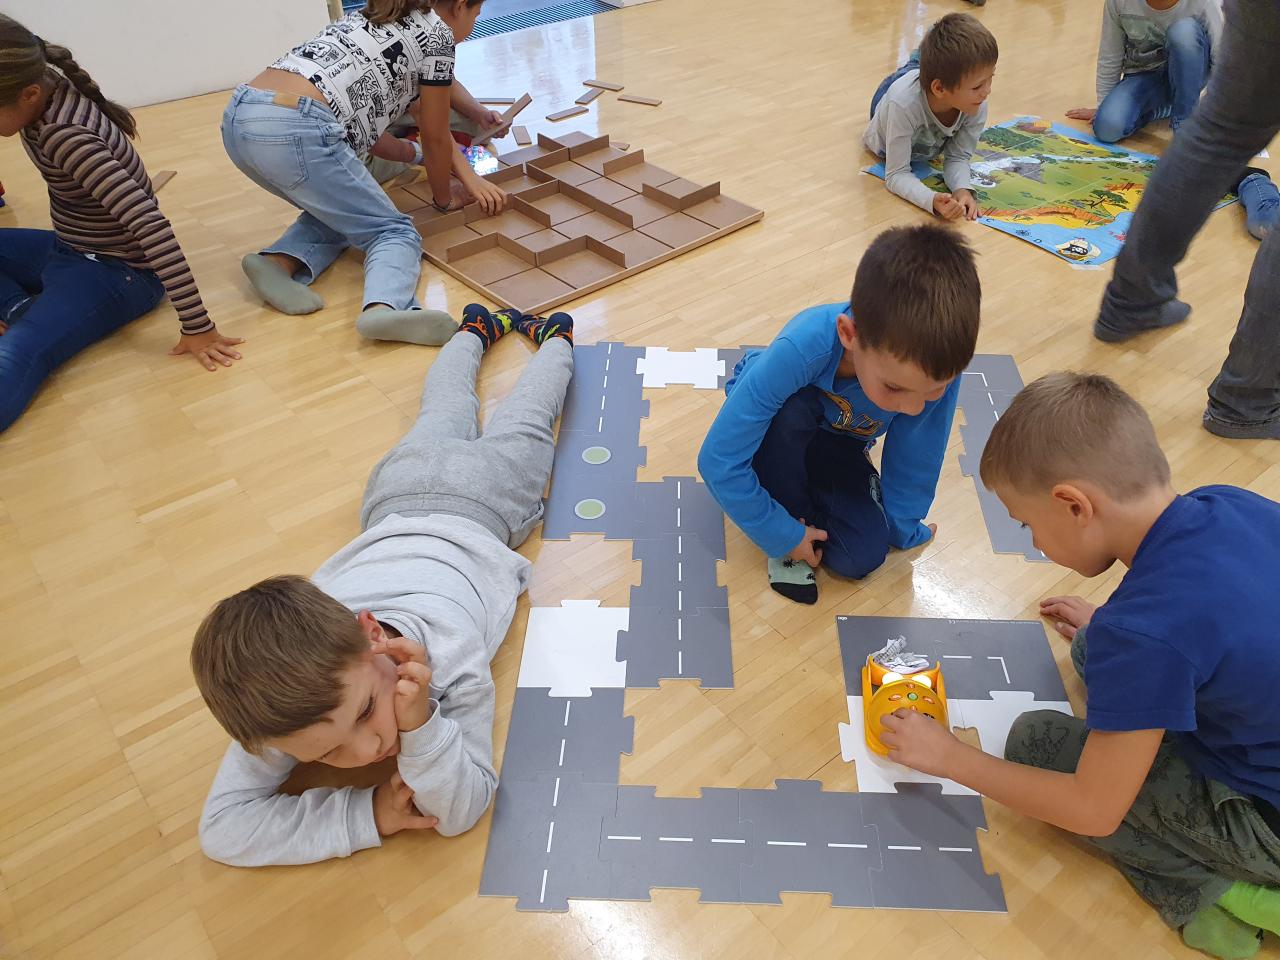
x: 269, y: 660
x: 955, y: 47
x: 917, y: 296
x: 1075, y: 426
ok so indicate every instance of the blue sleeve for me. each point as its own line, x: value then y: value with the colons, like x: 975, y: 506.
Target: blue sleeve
x: 1136, y: 682
x: 735, y: 436
x: 913, y: 451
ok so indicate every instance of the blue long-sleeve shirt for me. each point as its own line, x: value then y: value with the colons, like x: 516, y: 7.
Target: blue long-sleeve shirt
x: 808, y: 352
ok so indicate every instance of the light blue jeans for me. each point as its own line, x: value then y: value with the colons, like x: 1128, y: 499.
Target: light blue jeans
x: 301, y: 155
x: 1172, y: 90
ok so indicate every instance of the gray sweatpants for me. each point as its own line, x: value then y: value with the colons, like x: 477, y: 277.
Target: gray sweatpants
x: 1238, y: 116
x: 443, y: 465
x: 1186, y: 838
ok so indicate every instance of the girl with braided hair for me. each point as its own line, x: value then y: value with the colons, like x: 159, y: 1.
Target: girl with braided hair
x: 111, y: 256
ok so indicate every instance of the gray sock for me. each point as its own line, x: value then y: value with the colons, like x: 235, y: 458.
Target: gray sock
x: 793, y: 579
x: 277, y: 288
x: 431, y: 328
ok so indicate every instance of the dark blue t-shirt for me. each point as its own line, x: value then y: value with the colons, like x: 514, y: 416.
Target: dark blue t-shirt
x: 1190, y: 640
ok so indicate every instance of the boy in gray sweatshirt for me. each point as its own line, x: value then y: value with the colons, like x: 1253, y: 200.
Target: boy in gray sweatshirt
x: 385, y: 652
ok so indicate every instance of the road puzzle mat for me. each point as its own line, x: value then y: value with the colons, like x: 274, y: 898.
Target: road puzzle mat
x: 583, y: 214
x: 1053, y: 186
x: 563, y: 825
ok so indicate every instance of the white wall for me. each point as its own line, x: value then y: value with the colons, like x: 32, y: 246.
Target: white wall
x: 148, y: 51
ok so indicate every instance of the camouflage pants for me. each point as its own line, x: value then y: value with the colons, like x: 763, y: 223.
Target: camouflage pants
x: 1186, y: 838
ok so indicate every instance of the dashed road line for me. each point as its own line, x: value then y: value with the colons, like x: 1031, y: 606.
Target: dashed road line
x: 676, y: 839
x: 852, y: 846
x: 615, y: 836
x: 726, y: 840
x: 567, y: 705
x: 786, y: 843
x: 955, y: 849
x: 551, y: 832
x: 542, y: 897
x: 562, y: 751
x: 892, y: 847
x: 555, y: 797
x: 956, y: 656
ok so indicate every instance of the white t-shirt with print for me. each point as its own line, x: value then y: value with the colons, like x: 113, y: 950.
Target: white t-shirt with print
x: 370, y: 72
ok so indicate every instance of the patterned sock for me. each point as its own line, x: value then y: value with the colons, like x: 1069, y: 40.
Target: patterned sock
x: 1221, y: 935
x: 489, y: 327
x: 793, y: 579
x: 1255, y: 905
x: 542, y: 329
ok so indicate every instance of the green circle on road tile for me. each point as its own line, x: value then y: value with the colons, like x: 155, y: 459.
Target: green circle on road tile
x: 589, y: 509
x: 596, y: 455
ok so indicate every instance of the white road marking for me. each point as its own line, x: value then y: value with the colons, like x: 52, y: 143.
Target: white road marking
x: 680, y: 601
x: 602, y: 400
x: 679, y: 543
x: 956, y: 656
x: 551, y: 830
x: 680, y: 570
x: 567, y: 705
x: 997, y: 413
x: 989, y: 397
x: 892, y: 847
x: 726, y: 840
x: 956, y: 849
x: 679, y: 522
x: 600, y: 426
x: 1003, y: 667
x: 786, y: 843
x: 606, y: 384
x: 854, y: 846
x: 678, y: 482
x: 542, y: 897
x: 555, y: 797
x: 680, y: 662
x: 562, y: 751
x: 677, y: 839
x: 679, y: 629
x: 619, y: 837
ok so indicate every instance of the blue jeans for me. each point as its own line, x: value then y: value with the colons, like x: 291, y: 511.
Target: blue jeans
x: 828, y: 481
x: 1171, y: 90
x: 913, y: 63
x: 301, y: 155
x: 57, y: 301
x: 1239, y: 116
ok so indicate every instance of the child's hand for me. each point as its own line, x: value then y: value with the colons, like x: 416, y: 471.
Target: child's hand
x: 945, y: 206
x: 393, y: 808
x: 809, y: 550
x: 968, y: 203
x: 1083, y: 113
x: 918, y: 742
x: 492, y: 199
x: 207, y: 348
x: 1068, y: 614
x: 413, y: 689
x: 488, y: 118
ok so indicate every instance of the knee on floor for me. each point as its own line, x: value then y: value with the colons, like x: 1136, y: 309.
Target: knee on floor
x: 855, y: 565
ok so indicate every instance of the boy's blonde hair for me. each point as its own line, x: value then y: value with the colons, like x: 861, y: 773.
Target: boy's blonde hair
x: 1075, y: 426
x: 955, y: 47
x: 269, y: 660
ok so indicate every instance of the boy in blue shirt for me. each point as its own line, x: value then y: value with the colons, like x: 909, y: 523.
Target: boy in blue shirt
x: 788, y: 456
x: 1175, y: 769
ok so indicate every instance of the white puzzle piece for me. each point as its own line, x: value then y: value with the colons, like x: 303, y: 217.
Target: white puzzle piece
x: 572, y: 648
x: 702, y: 368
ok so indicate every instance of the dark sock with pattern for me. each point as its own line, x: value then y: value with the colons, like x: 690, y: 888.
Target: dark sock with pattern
x: 489, y: 327
x: 542, y: 329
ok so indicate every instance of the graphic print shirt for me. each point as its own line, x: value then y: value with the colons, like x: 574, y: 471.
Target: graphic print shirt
x: 1133, y: 35
x: 370, y: 72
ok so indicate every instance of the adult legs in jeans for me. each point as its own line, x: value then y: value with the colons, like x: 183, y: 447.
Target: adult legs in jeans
x: 1238, y: 116
x: 75, y: 301
x: 913, y: 63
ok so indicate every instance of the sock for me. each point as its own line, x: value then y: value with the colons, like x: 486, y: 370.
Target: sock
x: 489, y: 327
x: 1221, y: 935
x: 542, y: 329
x: 277, y: 288
x: 1260, y: 199
x: 1171, y: 314
x: 793, y: 579
x: 1255, y: 905
x: 430, y: 328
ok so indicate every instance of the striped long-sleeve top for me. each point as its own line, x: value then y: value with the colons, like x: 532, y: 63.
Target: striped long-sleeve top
x: 101, y: 199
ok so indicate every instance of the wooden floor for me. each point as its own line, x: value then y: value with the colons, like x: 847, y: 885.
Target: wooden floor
x: 139, y: 489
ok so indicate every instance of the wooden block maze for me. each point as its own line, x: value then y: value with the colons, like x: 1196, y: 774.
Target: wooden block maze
x: 583, y: 214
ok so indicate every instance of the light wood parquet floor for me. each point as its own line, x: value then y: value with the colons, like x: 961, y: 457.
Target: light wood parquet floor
x: 139, y: 489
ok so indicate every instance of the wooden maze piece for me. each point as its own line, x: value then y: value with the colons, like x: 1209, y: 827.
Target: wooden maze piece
x: 510, y: 114
x: 496, y: 101
x: 566, y: 114
x: 522, y: 136
x: 589, y: 96
x: 161, y: 178
x: 603, y: 85
x: 644, y: 101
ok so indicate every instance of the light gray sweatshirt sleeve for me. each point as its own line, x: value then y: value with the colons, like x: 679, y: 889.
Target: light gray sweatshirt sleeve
x: 1110, y: 51
x: 898, y: 132
x: 1213, y: 24
x: 448, y: 761
x: 248, y: 823
x: 958, y: 153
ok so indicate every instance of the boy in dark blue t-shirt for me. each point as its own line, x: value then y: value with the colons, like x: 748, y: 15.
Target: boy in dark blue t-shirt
x: 788, y: 456
x: 1175, y: 769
